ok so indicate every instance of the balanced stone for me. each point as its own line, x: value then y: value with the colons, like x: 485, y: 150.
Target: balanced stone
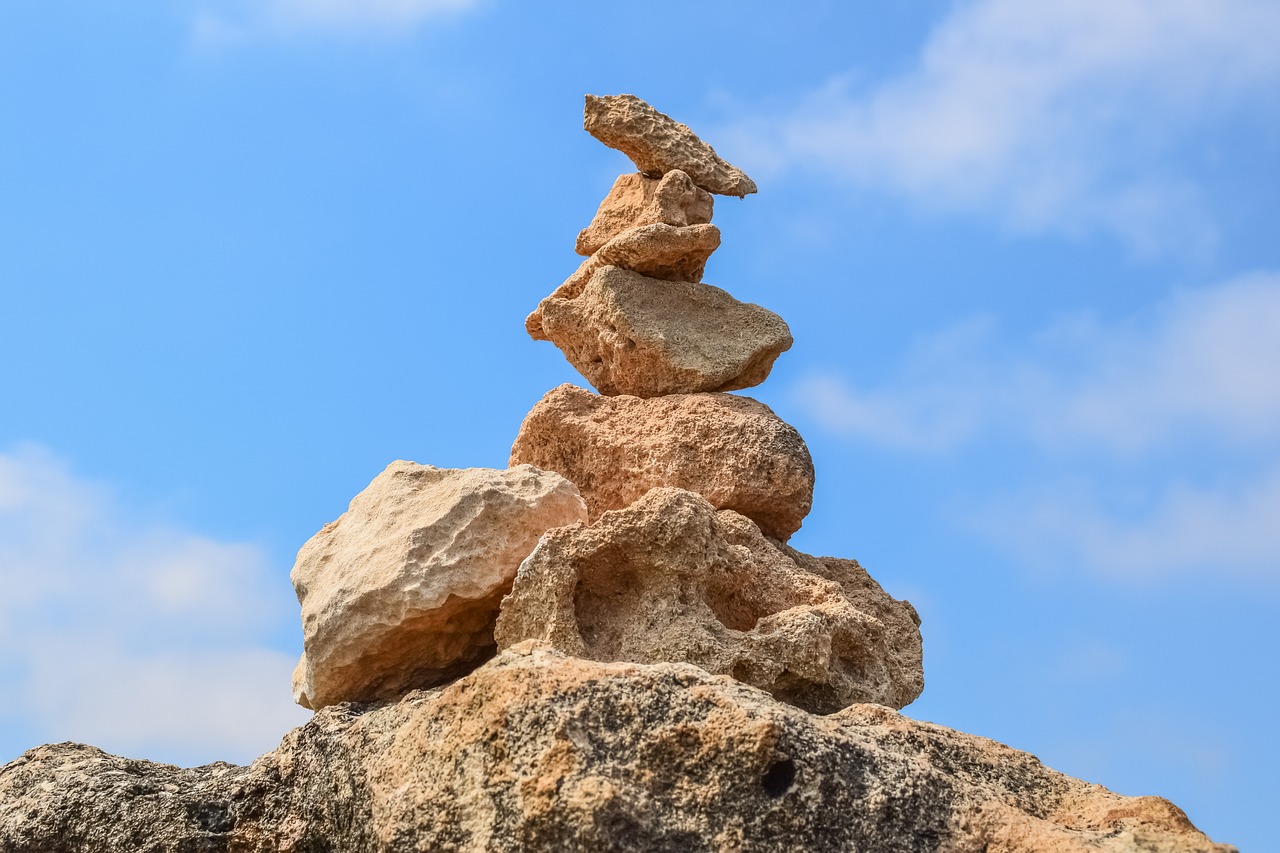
x: 634, y: 200
x: 658, y: 250
x: 402, y: 590
x: 732, y: 450
x: 670, y: 579
x: 631, y: 334
x: 656, y: 143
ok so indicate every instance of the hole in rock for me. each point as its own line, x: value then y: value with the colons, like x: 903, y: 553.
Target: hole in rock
x: 779, y: 778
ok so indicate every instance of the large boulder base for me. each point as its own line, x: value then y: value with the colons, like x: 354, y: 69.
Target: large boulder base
x: 402, y: 590
x: 732, y: 450
x: 657, y: 144
x: 537, y: 751
x: 670, y: 579
x: 631, y: 334
x: 635, y: 200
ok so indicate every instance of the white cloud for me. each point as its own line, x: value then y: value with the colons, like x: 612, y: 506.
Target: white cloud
x: 1057, y: 115
x: 1231, y: 527
x: 135, y: 636
x: 1133, y: 411
x: 235, y: 20
x: 1202, y: 366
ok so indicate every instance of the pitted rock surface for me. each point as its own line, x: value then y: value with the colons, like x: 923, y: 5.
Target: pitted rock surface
x: 671, y: 580
x: 630, y: 334
x: 659, y: 251
x: 636, y: 200
x: 538, y: 751
x: 657, y: 144
x: 732, y: 450
x: 402, y: 590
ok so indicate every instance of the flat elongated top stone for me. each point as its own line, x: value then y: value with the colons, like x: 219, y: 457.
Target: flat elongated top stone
x: 657, y: 144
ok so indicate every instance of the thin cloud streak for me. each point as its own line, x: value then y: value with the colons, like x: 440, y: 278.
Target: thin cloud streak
x: 135, y: 636
x: 1201, y: 366
x: 1055, y: 116
x: 228, y: 23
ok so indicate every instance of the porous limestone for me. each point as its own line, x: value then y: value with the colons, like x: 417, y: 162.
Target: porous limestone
x: 670, y: 579
x: 631, y: 334
x: 732, y: 450
x: 402, y: 590
x: 635, y: 200
x: 657, y: 144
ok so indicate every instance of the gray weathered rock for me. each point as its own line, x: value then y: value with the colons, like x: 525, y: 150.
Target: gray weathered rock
x: 536, y: 751
x: 631, y: 334
x: 671, y: 580
x: 657, y: 144
x: 402, y: 590
x: 732, y: 450
x: 635, y: 200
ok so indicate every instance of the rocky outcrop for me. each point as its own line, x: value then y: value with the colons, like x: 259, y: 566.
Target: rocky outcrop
x: 671, y: 579
x: 630, y: 334
x: 537, y: 751
x: 657, y: 144
x: 636, y: 200
x: 732, y: 450
x: 402, y: 591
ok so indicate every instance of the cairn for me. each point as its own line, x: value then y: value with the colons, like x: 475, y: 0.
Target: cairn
x: 644, y: 523
x: 586, y: 621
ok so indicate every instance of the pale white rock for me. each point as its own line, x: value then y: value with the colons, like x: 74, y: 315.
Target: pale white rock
x: 402, y: 590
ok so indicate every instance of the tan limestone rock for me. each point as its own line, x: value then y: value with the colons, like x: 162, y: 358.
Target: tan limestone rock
x: 667, y: 252
x: 732, y: 450
x: 671, y: 580
x: 402, y: 590
x: 631, y: 334
x: 635, y: 200
x: 538, y: 751
x: 658, y: 144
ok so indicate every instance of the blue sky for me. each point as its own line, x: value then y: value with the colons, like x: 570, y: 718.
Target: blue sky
x: 252, y: 252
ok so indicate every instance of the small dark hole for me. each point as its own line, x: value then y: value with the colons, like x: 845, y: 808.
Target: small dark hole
x: 779, y: 778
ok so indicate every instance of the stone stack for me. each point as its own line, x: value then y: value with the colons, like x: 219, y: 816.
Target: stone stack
x: 644, y: 523
x: 607, y: 645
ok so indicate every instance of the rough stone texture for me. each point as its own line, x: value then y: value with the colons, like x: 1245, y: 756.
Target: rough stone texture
x: 732, y: 450
x: 631, y: 334
x: 635, y: 200
x: 535, y: 751
x: 402, y: 591
x: 659, y: 251
x: 671, y: 580
x: 658, y: 144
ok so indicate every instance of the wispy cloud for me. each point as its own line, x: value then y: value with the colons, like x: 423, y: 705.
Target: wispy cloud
x: 1054, y: 116
x: 133, y: 635
x: 1122, y: 419
x: 1202, y: 365
x: 220, y: 22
